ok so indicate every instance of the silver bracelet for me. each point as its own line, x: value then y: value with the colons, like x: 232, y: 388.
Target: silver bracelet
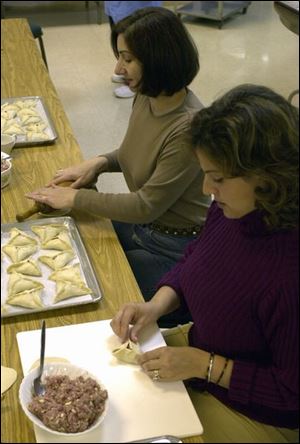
x: 210, y: 366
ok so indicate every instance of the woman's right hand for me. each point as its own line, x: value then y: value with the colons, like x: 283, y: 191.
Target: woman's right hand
x: 137, y: 314
x: 81, y: 175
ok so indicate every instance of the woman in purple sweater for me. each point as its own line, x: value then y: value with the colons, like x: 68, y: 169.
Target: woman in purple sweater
x: 239, y: 279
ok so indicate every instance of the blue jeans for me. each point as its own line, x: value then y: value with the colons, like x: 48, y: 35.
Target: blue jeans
x: 151, y: 254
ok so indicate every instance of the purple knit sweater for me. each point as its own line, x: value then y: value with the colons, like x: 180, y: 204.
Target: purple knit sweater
x: 241, y: 286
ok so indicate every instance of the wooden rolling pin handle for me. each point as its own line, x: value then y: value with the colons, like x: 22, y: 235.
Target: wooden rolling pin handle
x: 39, y: 207
x: 28, y: 213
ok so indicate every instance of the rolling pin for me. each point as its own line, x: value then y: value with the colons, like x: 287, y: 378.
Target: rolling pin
x: 39, y: 207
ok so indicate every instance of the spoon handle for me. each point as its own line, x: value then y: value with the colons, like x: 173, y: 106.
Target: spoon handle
x: 43, y: 343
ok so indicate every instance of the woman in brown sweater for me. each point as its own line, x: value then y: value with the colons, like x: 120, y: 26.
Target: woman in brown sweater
x: 164, y: 208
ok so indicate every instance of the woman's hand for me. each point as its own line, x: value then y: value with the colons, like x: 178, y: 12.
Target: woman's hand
x: 138, y: 314
x: 83, y: 174
x: 174, y: 363
x: 54, y: 196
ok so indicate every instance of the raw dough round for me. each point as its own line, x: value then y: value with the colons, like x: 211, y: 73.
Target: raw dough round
x: 8, y: 377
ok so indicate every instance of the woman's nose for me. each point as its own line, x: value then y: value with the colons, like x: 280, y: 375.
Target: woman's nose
x: 208, y: 187
x: 119, y: 68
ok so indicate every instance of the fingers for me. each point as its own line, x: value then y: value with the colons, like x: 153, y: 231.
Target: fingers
x: 59, y: 177
x: 152, y: 364
x: 134, y: 332
x: 121, y: 324
x: 120, y: 327
x: 153, y: 355
x: 37, y: 197
x: 76, y: 184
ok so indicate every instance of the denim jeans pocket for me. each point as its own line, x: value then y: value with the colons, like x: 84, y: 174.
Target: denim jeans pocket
x: 160, y: 243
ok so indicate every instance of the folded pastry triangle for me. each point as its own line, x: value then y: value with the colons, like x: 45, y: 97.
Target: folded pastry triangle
x: 59, y: 242
x: 18, y: 253
x: 17, y: 283
x: 69, y: 274
x: 65, y: 290
x: 28, y: 266
x: 58, y: 259
x: 18, y: 237
x: 27, y: 299
x: 47, y: 232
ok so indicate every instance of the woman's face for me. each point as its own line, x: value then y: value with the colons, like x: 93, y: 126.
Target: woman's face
x: 235, y: 196
x: 128, y: 65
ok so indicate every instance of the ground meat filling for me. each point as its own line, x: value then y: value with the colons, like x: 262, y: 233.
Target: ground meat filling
x: 69, y: 405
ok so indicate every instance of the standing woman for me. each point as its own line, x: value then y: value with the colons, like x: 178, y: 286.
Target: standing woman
x: 240, y: 278
x: 164, y: 208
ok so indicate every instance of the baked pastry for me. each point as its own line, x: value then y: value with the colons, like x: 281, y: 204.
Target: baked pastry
x: 60, y: 242
x: 23, y: 291
x: 65, y: 290
x: 29, y: 267
x: 15, y: 128
x: 58, y: 259
x: 27, y: 112
x: 17, y: 283
x: 27, y: 299
x: 47, y: 232
x: 18, y: 253
x: 30, y: 120
x: 38, y: 126
x: 34, y: 135
x: 18, y: 237
x: 69, y: 274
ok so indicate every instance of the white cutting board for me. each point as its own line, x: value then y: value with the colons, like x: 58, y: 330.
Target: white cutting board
x: 138, y: 407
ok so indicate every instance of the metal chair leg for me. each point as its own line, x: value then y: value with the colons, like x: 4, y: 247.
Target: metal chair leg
x: 43, y: 51
x: 292, y: 95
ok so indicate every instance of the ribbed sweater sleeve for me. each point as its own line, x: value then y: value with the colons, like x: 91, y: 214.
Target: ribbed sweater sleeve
x: 241, y: 284
x: 113, y: 165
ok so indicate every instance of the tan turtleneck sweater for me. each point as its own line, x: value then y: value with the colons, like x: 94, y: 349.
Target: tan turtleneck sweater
x: 161, y: 172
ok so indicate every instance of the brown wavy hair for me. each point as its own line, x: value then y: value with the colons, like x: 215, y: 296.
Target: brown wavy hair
x: 249, y: 131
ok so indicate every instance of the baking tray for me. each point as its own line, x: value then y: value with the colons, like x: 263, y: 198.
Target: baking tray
x: 42, y: 110
x: 158, y: 439
x: 81, y: 256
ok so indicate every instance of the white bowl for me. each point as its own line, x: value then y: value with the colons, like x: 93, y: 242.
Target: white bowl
x: 7, y: 143
x: 25, y: 393
x: 5, y: 175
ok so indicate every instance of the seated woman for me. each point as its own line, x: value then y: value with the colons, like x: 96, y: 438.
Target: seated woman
x: 239, y: 279
x: 164, y: 209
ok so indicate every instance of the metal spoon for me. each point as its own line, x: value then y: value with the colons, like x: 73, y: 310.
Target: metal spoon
x: 38, y: 387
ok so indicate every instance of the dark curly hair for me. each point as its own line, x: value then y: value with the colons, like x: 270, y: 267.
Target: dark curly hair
x: 249, y: 131
x: 161, y: 43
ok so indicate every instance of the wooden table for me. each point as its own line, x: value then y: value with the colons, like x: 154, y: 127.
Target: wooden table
x: 23, y: 73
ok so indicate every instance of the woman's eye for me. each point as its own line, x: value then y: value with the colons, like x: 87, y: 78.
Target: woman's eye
x: 218, y: 180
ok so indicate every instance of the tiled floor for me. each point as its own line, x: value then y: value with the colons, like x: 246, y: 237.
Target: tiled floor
x: 255, y: 48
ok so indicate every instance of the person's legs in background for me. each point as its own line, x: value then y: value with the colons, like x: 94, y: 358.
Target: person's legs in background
x: 123, y: 92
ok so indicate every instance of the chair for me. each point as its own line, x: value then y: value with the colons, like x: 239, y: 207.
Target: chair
x: 37, y: 33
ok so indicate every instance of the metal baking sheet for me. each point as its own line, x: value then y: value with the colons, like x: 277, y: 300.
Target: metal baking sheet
x: 42, y: 110
x: 48, y: 292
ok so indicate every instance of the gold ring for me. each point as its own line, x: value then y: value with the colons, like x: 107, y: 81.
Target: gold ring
x: 156, y: 376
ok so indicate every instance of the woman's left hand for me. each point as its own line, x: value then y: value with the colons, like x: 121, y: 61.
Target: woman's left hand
x: 174, y: 363
x: 54, y: 196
